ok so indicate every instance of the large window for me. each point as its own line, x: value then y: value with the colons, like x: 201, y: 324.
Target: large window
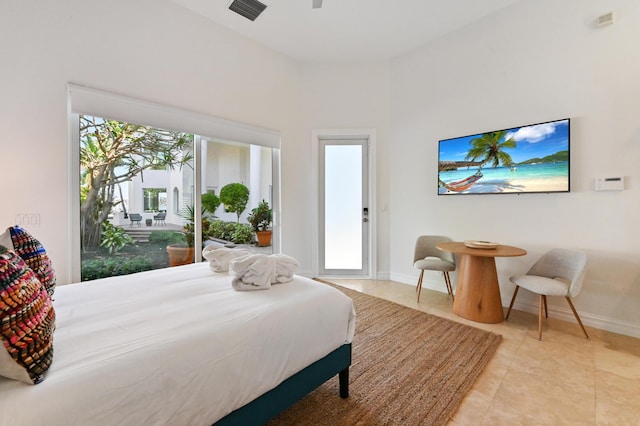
x: 125, y: 170
x: 174, y: 194
x: 130, y: 174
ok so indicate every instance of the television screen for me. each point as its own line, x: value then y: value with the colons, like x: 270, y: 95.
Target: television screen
x: 533, y: 158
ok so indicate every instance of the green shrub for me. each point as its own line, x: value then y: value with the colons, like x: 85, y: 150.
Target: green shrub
x: 239, y: 233
x: 235, y: 197
x: 243, y: 234
x: 210, y: 202
x: 166, y: 237
x: 217, y: 229
x: 229, y: 229
x: 114, y: 238
x: 111, y: 267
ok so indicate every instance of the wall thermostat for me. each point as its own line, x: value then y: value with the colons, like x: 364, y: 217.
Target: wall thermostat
x: 615, y: 183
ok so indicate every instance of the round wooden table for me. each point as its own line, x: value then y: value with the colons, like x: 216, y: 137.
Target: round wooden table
x: 477, y: 289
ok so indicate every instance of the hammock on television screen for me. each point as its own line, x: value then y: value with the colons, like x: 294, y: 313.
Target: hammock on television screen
x: 461, y: 185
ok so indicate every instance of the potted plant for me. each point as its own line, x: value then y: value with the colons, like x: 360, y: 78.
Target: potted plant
x: 260, y: 219
x: 235, y: 197
x: 183, y: 253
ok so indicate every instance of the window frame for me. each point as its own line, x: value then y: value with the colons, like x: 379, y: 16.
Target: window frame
x: 90, y: 101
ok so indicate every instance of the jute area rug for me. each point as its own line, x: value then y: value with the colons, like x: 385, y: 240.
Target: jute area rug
x: 408, y: 368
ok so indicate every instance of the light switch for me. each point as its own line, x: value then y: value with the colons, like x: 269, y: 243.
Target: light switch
x: 28, y: 220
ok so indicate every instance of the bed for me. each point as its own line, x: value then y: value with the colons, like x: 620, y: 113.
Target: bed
x: 180, y: 346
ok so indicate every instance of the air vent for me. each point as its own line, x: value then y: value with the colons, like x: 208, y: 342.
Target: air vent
x: 250, y: 9
x: 316, y: 4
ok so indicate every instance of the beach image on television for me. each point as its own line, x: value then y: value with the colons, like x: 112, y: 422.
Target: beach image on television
x: 532, y: 158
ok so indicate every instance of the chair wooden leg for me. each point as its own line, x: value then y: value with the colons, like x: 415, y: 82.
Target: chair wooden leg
x: 419, y: 286
x: 447, y: 281
x: 513, y: 299
x: 540, y: 317
x: 546, y: 312
x: 575, y: 313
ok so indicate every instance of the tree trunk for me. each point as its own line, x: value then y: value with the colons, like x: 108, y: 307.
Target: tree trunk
x: 95, y: 209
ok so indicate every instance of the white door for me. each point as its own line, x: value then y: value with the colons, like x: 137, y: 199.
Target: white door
x: 343, y: 207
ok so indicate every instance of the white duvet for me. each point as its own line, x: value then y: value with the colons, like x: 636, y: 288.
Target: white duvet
x: 176, y: 346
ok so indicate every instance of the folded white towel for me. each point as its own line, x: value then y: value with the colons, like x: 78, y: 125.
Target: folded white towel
x: 219, y: 257
x: 259, y: 271
x: 254, y: 272
x: 286, y: 266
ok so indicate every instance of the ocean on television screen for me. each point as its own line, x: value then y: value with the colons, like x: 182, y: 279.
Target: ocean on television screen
x: 540, y: 177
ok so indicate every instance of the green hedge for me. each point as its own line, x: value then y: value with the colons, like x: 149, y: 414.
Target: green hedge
x: 239, y: 233
x: 165, y: 238
x: 103, y: 268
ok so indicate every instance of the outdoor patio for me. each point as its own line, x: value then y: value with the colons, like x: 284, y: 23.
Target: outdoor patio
x: 140, y: 232
x: 153, y: 227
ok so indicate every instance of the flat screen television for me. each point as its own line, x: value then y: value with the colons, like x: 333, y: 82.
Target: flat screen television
x: 527, y: 159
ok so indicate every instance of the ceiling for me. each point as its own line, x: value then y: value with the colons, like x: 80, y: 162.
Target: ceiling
x: 348, y: 30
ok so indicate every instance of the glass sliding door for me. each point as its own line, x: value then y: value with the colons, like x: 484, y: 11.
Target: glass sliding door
x: 236, y: 179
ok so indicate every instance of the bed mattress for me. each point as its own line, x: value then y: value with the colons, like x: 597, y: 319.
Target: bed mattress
x: 175, y: 346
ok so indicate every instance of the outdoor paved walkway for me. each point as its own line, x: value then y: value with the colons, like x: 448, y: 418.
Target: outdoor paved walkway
x: 154, y: 227
x: 140, y: 234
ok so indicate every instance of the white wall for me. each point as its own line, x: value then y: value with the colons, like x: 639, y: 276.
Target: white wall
x: 154, y: 51
x: 532, y: 62
x: 347, y: 96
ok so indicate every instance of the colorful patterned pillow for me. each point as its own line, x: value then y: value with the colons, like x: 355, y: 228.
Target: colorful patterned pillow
x: 35, y: 256
x: 27, y: 321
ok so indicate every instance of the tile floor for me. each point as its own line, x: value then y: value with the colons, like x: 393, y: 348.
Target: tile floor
x: 562, y: 380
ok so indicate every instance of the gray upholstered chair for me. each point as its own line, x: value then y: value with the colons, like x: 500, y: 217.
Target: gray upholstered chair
x: 135, y: 218
x: 160, y: 218
x: 427, y: 257
x: 559, y: 272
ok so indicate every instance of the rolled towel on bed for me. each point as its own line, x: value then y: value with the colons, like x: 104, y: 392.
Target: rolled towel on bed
x: 286, y: 266
x: 219, y: 257
x: 253, y: 272
x: 259, y: 271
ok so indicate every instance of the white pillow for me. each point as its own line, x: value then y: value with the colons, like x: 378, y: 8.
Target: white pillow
x: 5, y: 239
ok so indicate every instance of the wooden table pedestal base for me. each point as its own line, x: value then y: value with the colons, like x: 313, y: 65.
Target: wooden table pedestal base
x: 477, y: 291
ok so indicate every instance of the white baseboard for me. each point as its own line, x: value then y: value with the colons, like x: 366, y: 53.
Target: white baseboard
x: 435, y: 283
x: 383, y: 276
x: 588, y: 319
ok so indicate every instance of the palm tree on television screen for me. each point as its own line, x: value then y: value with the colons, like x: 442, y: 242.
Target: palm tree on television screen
x: 489, y: 148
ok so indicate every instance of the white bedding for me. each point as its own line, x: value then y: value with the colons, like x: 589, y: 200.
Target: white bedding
x: 175, y: 346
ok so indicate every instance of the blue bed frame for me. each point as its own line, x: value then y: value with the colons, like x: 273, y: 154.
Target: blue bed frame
x: 269, y: 405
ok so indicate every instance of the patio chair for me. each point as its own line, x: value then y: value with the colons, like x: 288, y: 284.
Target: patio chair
x: 135, y: 218
x: 159, y: 218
